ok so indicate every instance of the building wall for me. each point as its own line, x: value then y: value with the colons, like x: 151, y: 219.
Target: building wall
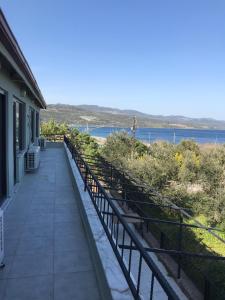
x: 12, y: 91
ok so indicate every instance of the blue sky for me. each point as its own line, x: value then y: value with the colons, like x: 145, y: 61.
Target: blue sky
x: 157, y: 56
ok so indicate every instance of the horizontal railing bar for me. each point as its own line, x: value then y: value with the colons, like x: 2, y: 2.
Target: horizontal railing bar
x: 176, y: 252
x: 155, y: 220
x: 148, y: 203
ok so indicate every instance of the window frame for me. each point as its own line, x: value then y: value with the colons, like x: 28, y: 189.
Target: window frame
x: 32, y: 124
x: 19, y: 124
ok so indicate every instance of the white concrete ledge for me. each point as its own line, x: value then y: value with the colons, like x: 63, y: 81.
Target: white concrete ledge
x: 111, y: 280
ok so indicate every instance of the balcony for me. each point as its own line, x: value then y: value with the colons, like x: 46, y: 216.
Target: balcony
x: 47, y: 255
x: 65, y: 238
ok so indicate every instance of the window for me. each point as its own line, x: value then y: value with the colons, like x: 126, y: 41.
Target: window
x: 32, y: 125
x: 37, y: 124
x: 18, y: 110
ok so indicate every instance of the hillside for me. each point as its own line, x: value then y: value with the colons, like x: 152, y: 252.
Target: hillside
x: 113, y: 117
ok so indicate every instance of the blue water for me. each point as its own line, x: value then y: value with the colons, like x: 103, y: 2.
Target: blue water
x: 150, y: 135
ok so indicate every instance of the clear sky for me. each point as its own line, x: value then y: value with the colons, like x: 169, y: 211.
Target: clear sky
x: 157, y: 56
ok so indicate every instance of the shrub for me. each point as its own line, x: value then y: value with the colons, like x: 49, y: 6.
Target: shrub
x: 211, y: 172
x: 188, y: 145
x: 149, y: 170
x: 53, y: 128
x: 214, y: 208
x: 85, y: 143
x: 189, y: 166
x: 120, y: 146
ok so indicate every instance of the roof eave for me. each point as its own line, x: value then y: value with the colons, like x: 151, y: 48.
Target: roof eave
x: 12, y: 46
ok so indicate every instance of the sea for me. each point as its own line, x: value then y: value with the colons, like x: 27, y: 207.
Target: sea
x: 171, y: 135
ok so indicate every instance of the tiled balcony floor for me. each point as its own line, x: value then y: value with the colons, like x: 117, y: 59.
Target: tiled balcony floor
x: 46, y: 251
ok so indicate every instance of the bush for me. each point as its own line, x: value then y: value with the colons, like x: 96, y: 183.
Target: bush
x: 149, y: 170
x: 53, y: 128
x: 120, y: 147
x: 173, y: 170
x: 84, y: 143
x: 164, y: 153
x: 211, y: 172
x: 189, y: 166
x: 215, y: 208
x: 188, y: 145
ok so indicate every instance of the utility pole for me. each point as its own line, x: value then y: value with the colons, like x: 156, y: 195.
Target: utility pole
x: 149, y: 138
x: 87, y: 119
x: 134, y: 126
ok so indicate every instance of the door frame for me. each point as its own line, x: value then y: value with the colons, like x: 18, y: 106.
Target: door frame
x: 5, y: 137
x: 14, y: 143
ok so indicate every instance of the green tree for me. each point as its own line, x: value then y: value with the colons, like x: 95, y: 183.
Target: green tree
x: 49, y: 128
x: 84, y: 143
x: 189, y: 167
x: 120, y: 146
x: 188, y: 145
x: 214, y: 208
x: 53, y: 128
x: 212, y: 172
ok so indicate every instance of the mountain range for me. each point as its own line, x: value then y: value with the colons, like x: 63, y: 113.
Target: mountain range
x: 94, y: 115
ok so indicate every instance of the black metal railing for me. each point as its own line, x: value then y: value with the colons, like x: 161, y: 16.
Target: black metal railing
x: 199, y: 263
x: 141, y: 272
x: 199, y: 268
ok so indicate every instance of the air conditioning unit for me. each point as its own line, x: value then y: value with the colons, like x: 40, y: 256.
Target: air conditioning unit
x: 42, y: 143
x: 36, y: 141
x: 1, y: 239
x: 32, y: 159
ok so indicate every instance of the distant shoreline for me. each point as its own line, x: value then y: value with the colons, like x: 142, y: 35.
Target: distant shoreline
x: 145, y: 127
x: 150, y: 135
x: 101, y: 141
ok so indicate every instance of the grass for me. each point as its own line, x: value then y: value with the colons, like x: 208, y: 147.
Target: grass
x: 194, y: 240
x: 212, y: 243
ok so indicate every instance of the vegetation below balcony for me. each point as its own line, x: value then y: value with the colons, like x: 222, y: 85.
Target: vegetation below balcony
x: 189, y: 176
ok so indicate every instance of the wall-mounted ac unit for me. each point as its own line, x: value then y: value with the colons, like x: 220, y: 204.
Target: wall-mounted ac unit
x: 36, y: 141
x: 42, y: 143
x: 1, y: 239
x: 32, y: 159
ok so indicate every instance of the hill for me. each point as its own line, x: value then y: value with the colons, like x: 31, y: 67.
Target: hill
x: 112, y: 117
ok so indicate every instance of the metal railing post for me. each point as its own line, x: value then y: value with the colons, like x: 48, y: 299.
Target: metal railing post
x: 162, y: 238
x: 180, y: 233
x: 85, y: 179
x: 206, y: 289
